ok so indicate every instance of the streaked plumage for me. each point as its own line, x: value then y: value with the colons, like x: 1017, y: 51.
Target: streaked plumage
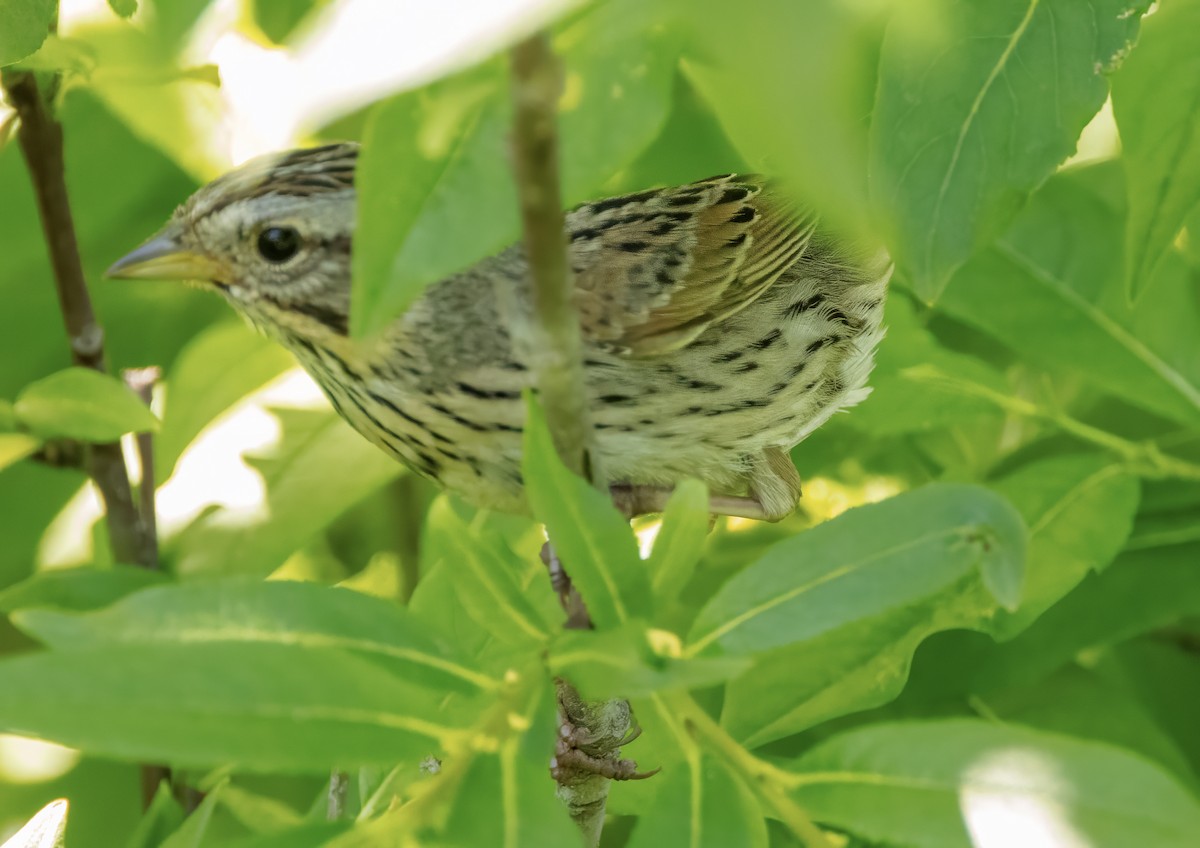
x: 720, y: 327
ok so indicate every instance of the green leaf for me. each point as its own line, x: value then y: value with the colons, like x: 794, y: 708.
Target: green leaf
x: 79, y: 403
x: 318, y: 470
x: 1079, y: 510
x: 280, y: 612
x: 433, y: 163
x: 163, y: 817
x: 680, y: 540
x: 963, y: 783
x: 24, y: 25
x: 280, y: 19
x: 124, y: 8
x: 833, y: 615
x: 78, y: 589
x: 435, y: 194
x: 16, y: 446
x: 219, y: 367
x: 701, y: 805
x: 1051, y: 289
x: 593, y: 540
x: 792, y: 84
x: 191, y: 834
x: 47, y: 829
x: 270, y: 707
x: 619, y: 61
x: 633, y: 662
x: 317, y: 835
x: 488, y: 585
x: 901, y: 403
x: 1156, y: 103
x: 977, y: 104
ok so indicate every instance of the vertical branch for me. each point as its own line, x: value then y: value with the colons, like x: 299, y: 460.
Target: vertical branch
x: 41, y: 139
x: 590, y: 733
x: 558, y: 362
x: 130, y: 530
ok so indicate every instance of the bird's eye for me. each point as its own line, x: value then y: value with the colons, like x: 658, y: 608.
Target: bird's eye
x: 278, y: 244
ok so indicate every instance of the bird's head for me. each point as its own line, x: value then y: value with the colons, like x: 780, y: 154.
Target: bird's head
x: 273, y: 236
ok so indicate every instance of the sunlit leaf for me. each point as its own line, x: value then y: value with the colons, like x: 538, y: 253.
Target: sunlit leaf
x: 219, y: 367
x: 594, y: 541
x: 963, y: 783
x: 47, y: 829
x: 280, y: 707
x: 301, y: 615
x: 83, y: 404
x: 16, y: 446
x: 78, y: 588
x: 977, y: 104
x: 24, y: 24
x: 1156, y: 102
x: 319, y: 469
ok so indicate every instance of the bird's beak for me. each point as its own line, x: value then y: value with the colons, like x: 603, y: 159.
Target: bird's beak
x: 165, y: 258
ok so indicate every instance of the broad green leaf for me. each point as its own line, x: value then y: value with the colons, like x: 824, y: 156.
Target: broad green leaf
x: 488, y: 586
x: 270, y: 707
x: 191, y: 834
x: 899, y: 402
x: 78, y: 588
x: 300, y: 615
x: 964, y: 783
x: 977, y: 104
x: 435, y: 190
x: 680, y: 540
x: 1079, y: 510
x: 83, y: 404
x: 833, y: 615
x: 433, y: 164
x: 257, y: 812
x: 619, y: 62
x: 47, y: 829
x: 793, y: 85
x: 593, y: 540
x: 1051, y: 289
x: 124, y: 8
x: 1138, y: 593
x: 633, y: 662
x: 442, y: 592
x: 16, y: 446
x: 24, y: 25
x: 218, y: 368
x: 1065, y: 702
x: 1156, y: 102
x: 319, y: 469
x: 701, y: 805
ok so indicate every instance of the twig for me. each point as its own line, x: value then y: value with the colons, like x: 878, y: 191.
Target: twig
x: 1142, y: 458
x: 558, y: 360
x: 557, y: 364
x: 41, y: 140
x: 131, y: 536
x: 339, y: 787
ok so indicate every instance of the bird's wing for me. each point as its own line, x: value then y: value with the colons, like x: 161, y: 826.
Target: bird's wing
x: 655, y: 269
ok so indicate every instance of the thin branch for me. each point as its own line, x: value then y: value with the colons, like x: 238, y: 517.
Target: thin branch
x: 130, y: 530
x: 592, y: 732
x: 41, y: 139
x: 558, y: 363
x: 1142, y: 458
